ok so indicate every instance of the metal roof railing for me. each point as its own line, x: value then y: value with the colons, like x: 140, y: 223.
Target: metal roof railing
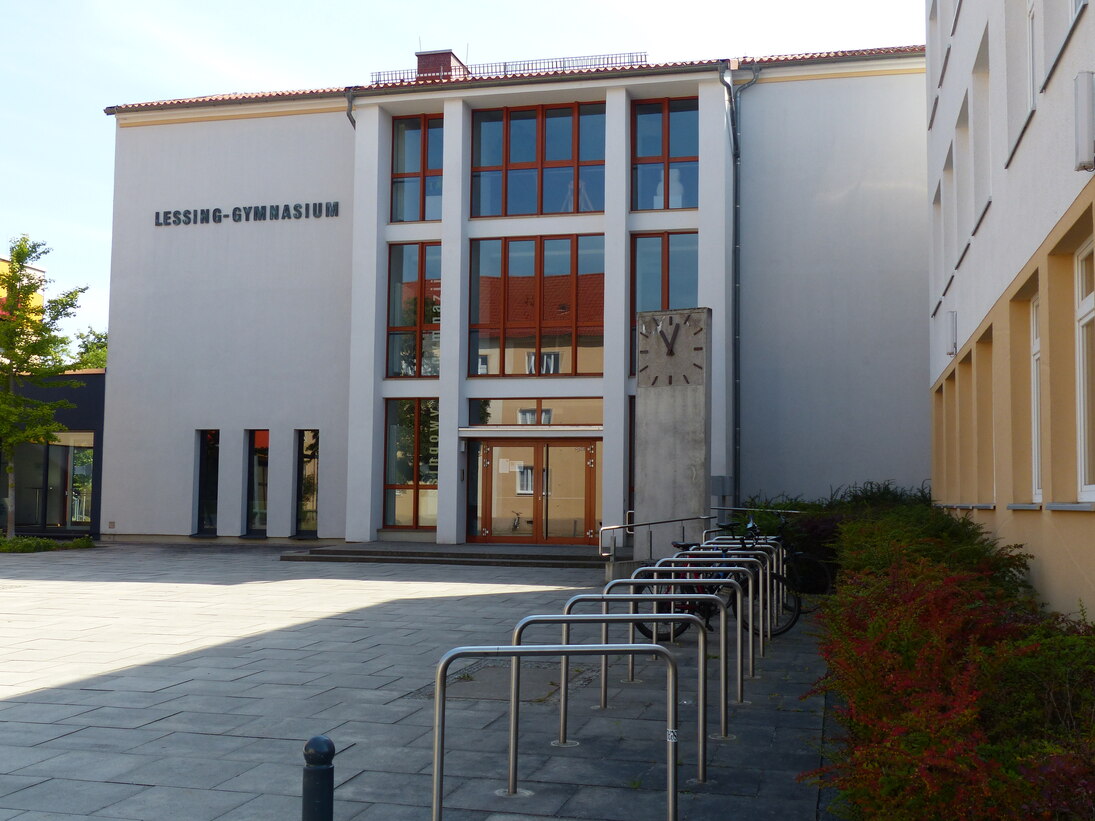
x: 515, y: 67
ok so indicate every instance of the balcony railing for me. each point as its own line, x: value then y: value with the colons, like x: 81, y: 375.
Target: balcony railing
x: 515, y: 68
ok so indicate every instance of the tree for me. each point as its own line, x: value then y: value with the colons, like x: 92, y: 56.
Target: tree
x: 32, y: 352
x: 90, y: 349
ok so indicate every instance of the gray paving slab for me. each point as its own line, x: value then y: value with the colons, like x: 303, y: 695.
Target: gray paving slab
x: 178, y: 683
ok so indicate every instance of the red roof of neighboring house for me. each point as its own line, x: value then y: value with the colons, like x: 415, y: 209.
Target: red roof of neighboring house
x: 644, y: 68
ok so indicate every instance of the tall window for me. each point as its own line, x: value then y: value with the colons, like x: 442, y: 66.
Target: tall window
x: 1035, y: 401
x: 208, y: 472
x: 539, y: 160
x: 665, y: 271
x: 537, y: 306
x: 258, y: 460
x: 1085, y: 340
x: 414, y: 309
x: 307, y: 485
x: 417, y: 149
x: 410, y: 464
x: 664, y: 154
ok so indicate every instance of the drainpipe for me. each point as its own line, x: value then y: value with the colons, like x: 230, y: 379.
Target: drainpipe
x: 735, y: 266
x: 350, y: 107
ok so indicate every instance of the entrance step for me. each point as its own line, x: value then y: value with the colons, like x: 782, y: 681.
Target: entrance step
x: 568, y: 556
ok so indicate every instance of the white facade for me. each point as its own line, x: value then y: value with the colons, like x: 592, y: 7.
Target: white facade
x: 282, y: 325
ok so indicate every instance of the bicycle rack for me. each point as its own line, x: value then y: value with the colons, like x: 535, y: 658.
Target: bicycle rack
x: 605, y: 619
x: 747, y: 556
x: 678, y: 583
x: 671, y: 688
x: 635, y: 598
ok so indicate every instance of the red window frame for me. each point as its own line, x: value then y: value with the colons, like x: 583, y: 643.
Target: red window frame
x: 538, y: 327
x: 540, y: 162
x: 423, y: 171
x: 665, y: 277
x: 421, y: 325
x: 416, y: 460
x: 665, y: 159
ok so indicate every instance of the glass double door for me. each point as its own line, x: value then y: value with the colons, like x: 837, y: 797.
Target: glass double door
x: 534, y: 491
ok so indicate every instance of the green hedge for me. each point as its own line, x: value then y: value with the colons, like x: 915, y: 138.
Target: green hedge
x: 959, y: 697
x: 38, y: 544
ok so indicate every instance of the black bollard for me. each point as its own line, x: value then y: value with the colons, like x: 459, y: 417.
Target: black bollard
x: 318, y: 788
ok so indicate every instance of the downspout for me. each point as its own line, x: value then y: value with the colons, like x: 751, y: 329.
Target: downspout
x: 735, y: 267
x: 350, y: 107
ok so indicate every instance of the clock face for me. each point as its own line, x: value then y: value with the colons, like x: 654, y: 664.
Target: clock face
x: 671, y: 350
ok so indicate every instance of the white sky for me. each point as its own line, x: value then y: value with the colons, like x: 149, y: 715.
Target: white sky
x: 66, y: 60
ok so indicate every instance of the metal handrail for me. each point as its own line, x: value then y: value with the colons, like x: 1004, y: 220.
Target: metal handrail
x: 609, y: 551
x: 671, y: 688
x: 604, y: 619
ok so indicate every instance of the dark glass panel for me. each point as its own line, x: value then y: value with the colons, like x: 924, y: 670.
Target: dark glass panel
x: 406, y: 198
x: 591, y: 254
x: 684, y: 128
x: 522, y: 136
x: 258, y: 462
x: 684, y: 185
x: 435, y: 144
x: 402, y: 358
x: 486, y: 194
x: 683, y: 271
x: 648, y: 273
x: 486, y: 282
x: 431, y: 353
x: 521, y: 191
x: 558, y: 190
x: 558, y: 134
x: 433, y: 198
x: 591, y: 132
x: 399, y: 461
x: 486, y: 138
x: 208, y: 474
x: 648, y: 130
x: 307, y: 482
x: 403, y: 285
x: 646, y: 187
x: 591, y: 188
x: 428, y: 449
x: 406, y: 146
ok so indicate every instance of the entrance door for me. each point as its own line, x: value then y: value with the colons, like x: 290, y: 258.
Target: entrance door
x: 535, y: 492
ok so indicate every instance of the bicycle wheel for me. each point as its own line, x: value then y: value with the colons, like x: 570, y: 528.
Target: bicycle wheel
x: 666, y: 631
x: 810, y: 578
x: 784, y: 604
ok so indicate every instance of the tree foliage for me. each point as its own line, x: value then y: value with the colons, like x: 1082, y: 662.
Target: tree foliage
x: 32, y: 352
x: 91, y: 347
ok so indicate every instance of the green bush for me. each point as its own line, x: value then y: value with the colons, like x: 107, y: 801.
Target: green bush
x: 40, y: 544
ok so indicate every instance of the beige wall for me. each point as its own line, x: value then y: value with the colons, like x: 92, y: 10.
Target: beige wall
x: 983, y: 439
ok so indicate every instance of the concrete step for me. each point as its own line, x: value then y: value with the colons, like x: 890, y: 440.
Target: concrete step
x: 428, y: 555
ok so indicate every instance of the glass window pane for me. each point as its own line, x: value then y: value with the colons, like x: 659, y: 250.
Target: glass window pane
x: 591, y: 254
x: 428, y: 442
x: 521, y: 258
x: 208, y: 472
x: 591, y: 299
x: 558, y: 134
x: 684, y: 128
x: 406, y: 146
x: 683, y: 271
x: 399, y: 467
x: 258, y: 459
x: 398, y: 508
x: 1087, y: 275
x: 486, y: 282
x: 557, y: 302
x: 520, y: 352
x: 1087, y: 365
x: 521, y: 193
x: 307, y: 481
x: 403, y: 285
x: 521, y: 282
x: 431, y: 289
x: 486, y: 138
x: 557, y: 257
x: 431, y: 353
x: 522, y: 136
x: 483, y: 350
x: 433, y: 198
x: 486, y: 194
x: 648, y: 273
x: 646, y: 187
x: 591, y: 352
x: 555, y: 352
x: 684, y: 185
x: 427, y: 508
x: 591, y: 132
x: 648, y: 130
x: 591, y: 188
x: 558, y: 190
x: 402, y: 359
x: 435, y: 143
x: 405, y: 199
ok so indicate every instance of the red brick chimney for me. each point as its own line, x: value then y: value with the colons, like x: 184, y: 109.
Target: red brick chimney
x: 440, y: 65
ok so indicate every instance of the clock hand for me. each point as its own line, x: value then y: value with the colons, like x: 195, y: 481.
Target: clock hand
x: 671, y: 340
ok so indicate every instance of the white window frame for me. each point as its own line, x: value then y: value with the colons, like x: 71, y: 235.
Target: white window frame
x: 524, y: 480
x: 526, y: 416
x: 1085, y: 317
x: 1035, y: 403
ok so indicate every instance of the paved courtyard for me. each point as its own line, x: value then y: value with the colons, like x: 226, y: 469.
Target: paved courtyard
x: 166, y: 683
